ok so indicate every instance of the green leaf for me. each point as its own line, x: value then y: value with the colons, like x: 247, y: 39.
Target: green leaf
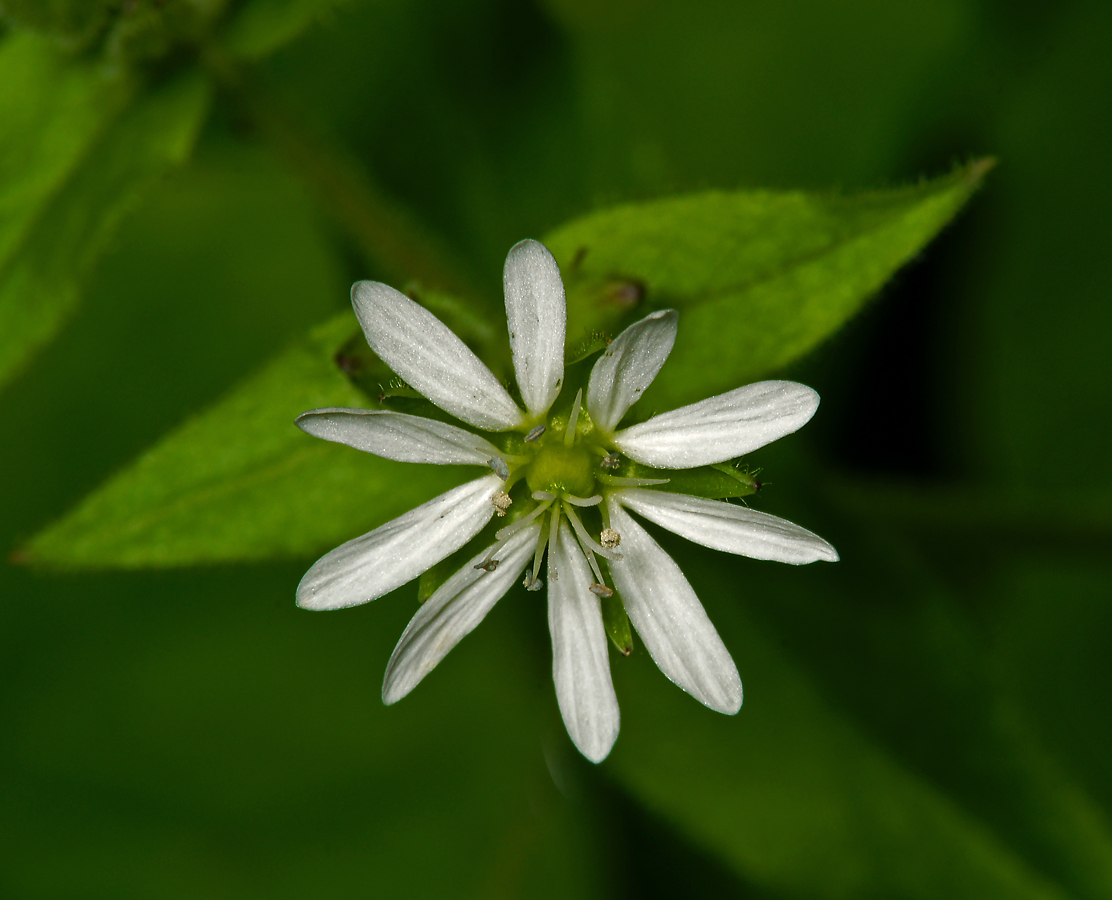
x: 263, y: 26
x: 760, y: 278
x: 64, y: 212
x: 51, y: 110
x: 804, y: 798
x: 241, y: 482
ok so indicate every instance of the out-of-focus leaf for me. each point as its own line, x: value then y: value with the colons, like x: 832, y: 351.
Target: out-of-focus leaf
x: 800, y: 798
x: 241, y: 482
x: 51, y: 110
x: 63, y: 221
x: 263, y: 26
x: 231, y: 745
x: 759, y: 278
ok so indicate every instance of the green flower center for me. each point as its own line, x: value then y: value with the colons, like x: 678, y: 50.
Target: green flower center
x: 562, y: 470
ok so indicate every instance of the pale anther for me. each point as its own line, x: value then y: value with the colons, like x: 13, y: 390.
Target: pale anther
x: 601, y: 590
x: 501, y: 502
x: 532, y: 584
x: 499, y: 466
x: 609, y: 538
x: 610, y: 461
x: 534, y: 434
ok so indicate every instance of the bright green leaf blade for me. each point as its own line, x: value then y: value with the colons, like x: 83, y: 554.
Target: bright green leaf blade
x: 42, y: 279
x: 760, y: 278
x: 263, y: 26
x: 241, y: 482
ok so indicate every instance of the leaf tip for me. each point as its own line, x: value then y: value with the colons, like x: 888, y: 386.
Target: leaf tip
x: 976, y: 170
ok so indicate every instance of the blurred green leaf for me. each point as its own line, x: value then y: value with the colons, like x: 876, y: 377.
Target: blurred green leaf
x: 263, y: 26
x: 759, y: 278
x: 81, y: 182
x: 241, y: 482
x: 51, y: 110
x: 234, y: 746
x: 812, y: 794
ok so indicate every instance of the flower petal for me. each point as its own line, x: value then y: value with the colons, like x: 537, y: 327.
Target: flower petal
x: 670, y: 619
x: 454, y: 611
x: 580, y: 665
x: 628, y: 366
x: 724, y: 526
x: 720, y: 428
x: 537, y: 316
x: 398, y: 436
x: 386, y: 558
x: 428, y: 355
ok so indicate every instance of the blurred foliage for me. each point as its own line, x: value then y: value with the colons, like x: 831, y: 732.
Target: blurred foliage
x: 927, y: 718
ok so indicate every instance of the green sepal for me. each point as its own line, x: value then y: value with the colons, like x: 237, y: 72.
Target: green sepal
x: 715, y: 482
x: 616, y: 622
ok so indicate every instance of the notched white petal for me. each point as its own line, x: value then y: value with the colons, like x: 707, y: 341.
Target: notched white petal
x: 454, y: 611
x: 580, y: 665
x: 728, y: 527
x: 398, y: 436
x: 386, y: 558
x: 671, y: 621
x: 428, y: 355
x: 536, y: 313
x: 721, y: 427
x: 628, y: 366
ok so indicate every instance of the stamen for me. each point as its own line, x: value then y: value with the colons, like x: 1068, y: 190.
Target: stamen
x: 573, y: 419
x: 584, y: 501
x: 601, y: 590
x: 499, y: 466
x: 593, y: 563
x: 501, y: 502
x: 617, y: 481
x: 543, y: 495
x: 532, y: 584
x: 514, y: 528
x: 553, y: 525
x: 610, y: 461
x: 609, y: 538
x: 585, y: 538
x: 534, y: 434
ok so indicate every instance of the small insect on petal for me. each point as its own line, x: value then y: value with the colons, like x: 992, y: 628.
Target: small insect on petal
x: 488, y: 566
x: 501, y: 502
x: 609, y: 538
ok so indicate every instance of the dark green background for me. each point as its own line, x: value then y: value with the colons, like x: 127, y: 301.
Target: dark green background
x: 928, y: 718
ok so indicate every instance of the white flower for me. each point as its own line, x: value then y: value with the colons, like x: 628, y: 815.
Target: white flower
x: 554, y: 473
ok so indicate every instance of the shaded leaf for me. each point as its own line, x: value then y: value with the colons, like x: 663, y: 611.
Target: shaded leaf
x: 262, y: 26
x: 760, y: 278
x: 242, y: 482
x: 69, y: 216
x: 798, y: 798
